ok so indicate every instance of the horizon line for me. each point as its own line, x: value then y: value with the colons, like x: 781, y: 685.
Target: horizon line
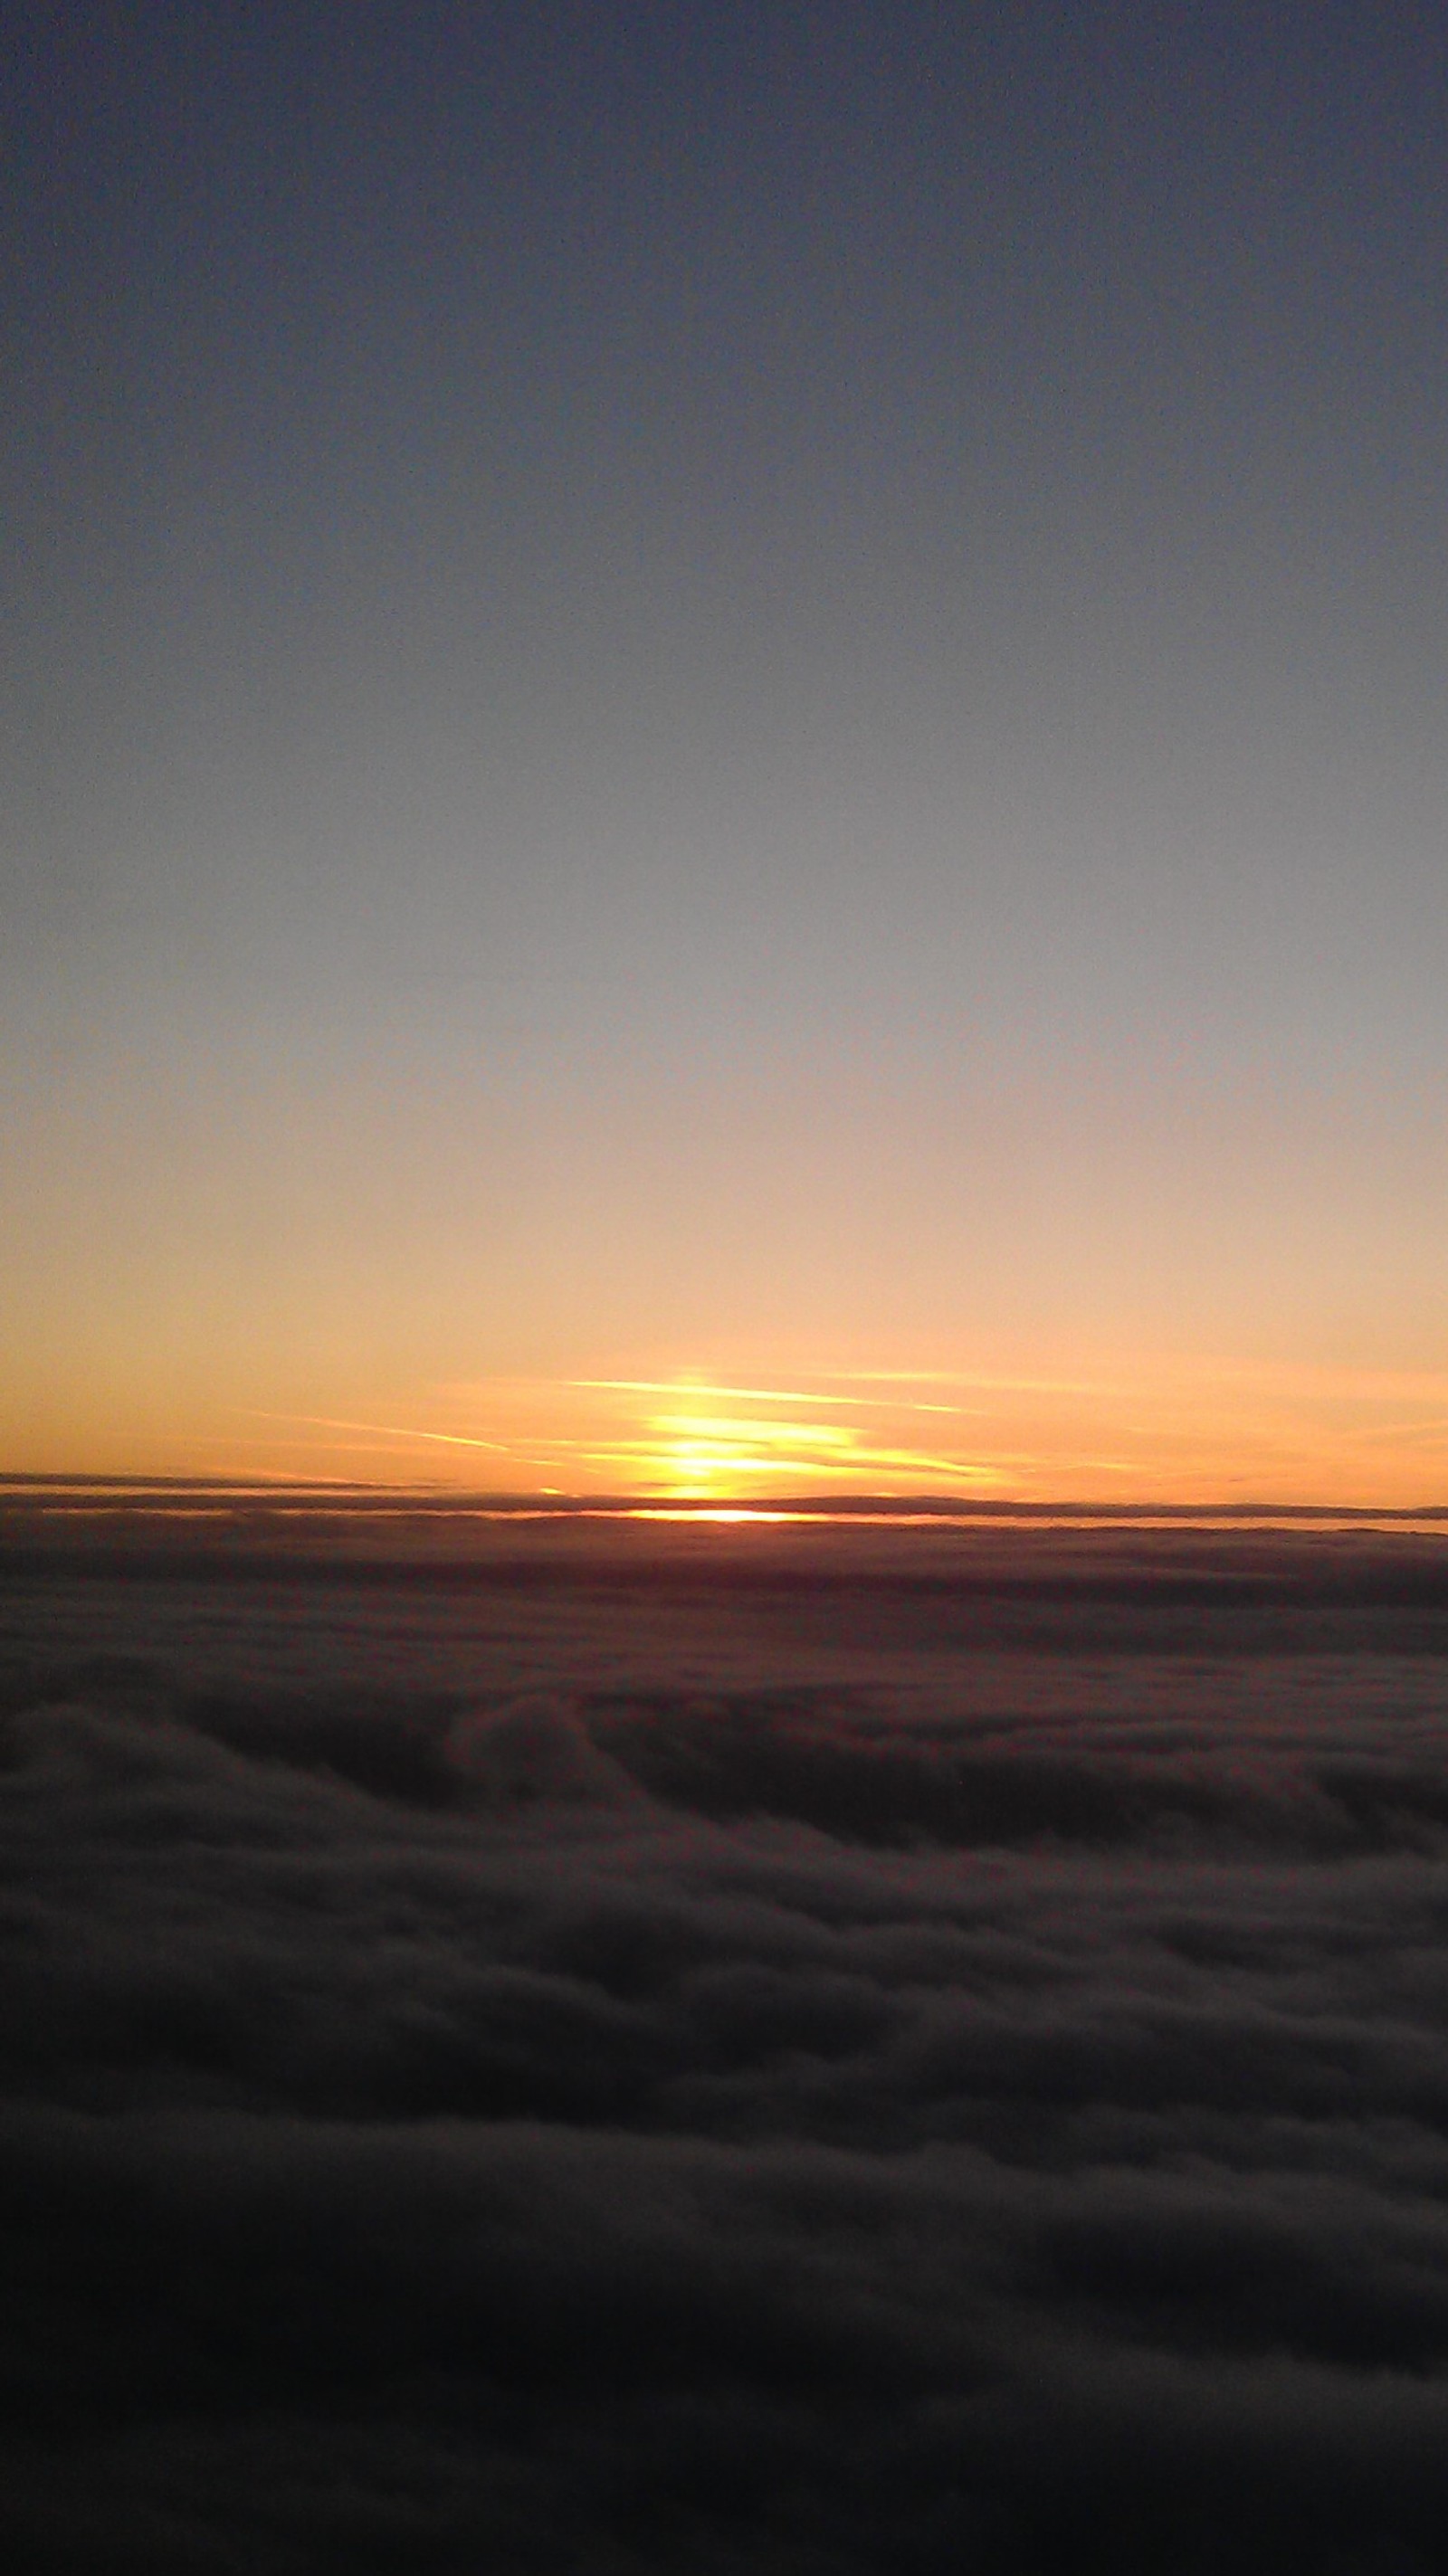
x: 934, y: 1502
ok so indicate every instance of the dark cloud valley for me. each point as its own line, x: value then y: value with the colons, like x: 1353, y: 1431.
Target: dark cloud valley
x: 775, y: 2124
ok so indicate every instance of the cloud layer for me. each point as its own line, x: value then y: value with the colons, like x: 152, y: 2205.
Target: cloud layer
x: 778, y: 2127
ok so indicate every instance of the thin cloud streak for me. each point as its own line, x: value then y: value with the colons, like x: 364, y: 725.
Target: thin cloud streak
x: 993, y: 1381
x: 763, y: 1394
x: 834, y: 1462
x: 385, y: 1430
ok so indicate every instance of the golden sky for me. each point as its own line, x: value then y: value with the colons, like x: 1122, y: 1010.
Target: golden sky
x: 1172, y: 1433
x: 762, y: 815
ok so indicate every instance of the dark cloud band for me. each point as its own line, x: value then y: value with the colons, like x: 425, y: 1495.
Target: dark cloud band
x: 641, y: 2128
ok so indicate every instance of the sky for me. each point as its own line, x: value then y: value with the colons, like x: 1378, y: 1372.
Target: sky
x: 723, y: 747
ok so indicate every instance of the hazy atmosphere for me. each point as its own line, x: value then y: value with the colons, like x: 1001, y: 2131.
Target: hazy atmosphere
x: 727, y: 695
x: 723, y: 1368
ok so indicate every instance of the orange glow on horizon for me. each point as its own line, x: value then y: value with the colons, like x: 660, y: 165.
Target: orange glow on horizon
x: 1167, y: 1433
x: 1160, y: 1430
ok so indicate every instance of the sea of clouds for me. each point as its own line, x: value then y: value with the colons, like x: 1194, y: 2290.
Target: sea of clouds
x: 787, y: 2127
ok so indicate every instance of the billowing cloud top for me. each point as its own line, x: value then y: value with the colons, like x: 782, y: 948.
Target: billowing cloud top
x: 461, y: 2112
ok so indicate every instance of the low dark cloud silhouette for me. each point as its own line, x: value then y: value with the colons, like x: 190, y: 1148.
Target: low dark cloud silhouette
x: 782, y: 2125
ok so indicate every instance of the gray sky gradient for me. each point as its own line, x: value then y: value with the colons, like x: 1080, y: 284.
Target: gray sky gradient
x: 881, y: 554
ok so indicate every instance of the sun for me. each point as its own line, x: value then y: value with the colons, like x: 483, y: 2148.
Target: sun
x: 698, y: 1442
x: 701, y: 1456
x: 706, y: 1456
x: 692, y: 1468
